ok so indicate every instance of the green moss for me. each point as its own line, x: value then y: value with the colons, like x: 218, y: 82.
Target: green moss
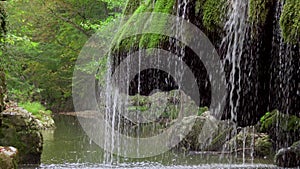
x: 125, y: 44
x: 213, y: 13
x: 139, y: 100
x: 286, y: 122
x: 138, y: 108
x: 290, y: 21
x: 263, y: 146
x: 171, y: 112
x: 202, y: 110
x: 219, y: 140
x: 153, y: 40
x: 35, y: 108
x: 263, y: 118
x: 259, y: 10
x: 146, y: 40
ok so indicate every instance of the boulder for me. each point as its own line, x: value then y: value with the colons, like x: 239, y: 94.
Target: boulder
x: 8, y: 157
x: 250, y: 141
x: 158, y: 107
x: 289, y: 157
x: 201, y: 133
x: 20, y: 129
x: 45, y: 121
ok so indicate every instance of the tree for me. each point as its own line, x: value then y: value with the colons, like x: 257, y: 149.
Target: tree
x: 3, y: 31
x: 43, y: 43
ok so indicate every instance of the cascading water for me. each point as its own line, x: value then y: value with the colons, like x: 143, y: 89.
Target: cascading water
x: 237, y: 29
x: 234, y: 40
x: 114, y: 108
x: 233, y: 44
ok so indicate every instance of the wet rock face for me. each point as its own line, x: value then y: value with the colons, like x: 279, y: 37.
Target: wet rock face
x: 252, y: 142
x: 289, y: 157
x: 209, y: 134
x: 206, y: 133
x: 21, y: 130
x: 8, y: 157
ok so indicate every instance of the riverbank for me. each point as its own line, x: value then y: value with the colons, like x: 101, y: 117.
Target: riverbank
x: 22, y: 130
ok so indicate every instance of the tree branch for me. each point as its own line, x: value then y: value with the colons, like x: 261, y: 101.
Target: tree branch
x: 71, y: 23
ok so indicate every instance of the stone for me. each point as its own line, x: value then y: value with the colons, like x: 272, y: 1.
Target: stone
x: 288, y: 157
x: 263, y: 145
x: 8, y: 157
x: 21, y: 130
x: 46, y: 122
x: 250, y: 141
x: 201, y: 133
x: 158, y: 107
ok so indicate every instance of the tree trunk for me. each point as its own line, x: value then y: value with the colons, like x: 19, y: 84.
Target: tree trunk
x: 3, y: 30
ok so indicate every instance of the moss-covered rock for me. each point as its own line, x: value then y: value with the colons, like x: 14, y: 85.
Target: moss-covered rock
x: 146, y: 40
x: 283, y: 129
x: 38, y: 111
x: 290, y: 21
x: 289, y: 157
x: 21, y: 130
x: 205, y: 133
x: 259, y: 10
x: 263, y: 145
x: 249, y: 140
x: 159, y: 107
x: 8, y: 157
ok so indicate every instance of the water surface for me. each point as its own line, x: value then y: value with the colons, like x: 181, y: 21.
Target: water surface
x: 68, y: 147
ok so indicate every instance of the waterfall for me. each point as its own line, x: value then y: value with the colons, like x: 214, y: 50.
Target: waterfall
x: 233, y: 44
x: 234, y: 40
x: 115, y: 103
x: 235, y: 47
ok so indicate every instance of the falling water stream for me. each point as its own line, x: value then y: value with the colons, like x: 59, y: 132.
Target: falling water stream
x: 236, y: 30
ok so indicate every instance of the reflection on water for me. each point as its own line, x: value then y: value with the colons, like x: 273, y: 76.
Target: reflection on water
x: 68, y: 147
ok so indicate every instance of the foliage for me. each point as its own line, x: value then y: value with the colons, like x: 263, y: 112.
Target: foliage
x: 290, y: 21
x: 131, y: 6
x: 3, y: 30
x: 44, y: 40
